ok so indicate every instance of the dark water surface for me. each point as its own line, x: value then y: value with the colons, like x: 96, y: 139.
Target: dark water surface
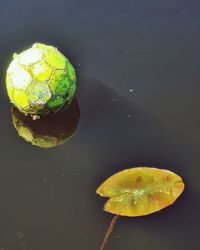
x: 138, y: 93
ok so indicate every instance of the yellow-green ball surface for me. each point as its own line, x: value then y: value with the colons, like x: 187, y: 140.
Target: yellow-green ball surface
x: 40, y: 80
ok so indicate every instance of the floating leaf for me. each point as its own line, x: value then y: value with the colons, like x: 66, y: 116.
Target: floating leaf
x: 140, y: 191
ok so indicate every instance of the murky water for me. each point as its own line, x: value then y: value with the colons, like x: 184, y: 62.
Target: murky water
x: 138, y: 95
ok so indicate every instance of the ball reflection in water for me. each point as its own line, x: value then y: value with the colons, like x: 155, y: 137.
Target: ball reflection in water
x: 48, y: 131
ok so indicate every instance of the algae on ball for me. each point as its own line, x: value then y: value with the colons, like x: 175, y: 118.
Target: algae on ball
x: 40, y: 80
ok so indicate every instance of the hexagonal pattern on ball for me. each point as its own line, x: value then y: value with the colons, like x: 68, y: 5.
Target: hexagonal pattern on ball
x: 40, y: 80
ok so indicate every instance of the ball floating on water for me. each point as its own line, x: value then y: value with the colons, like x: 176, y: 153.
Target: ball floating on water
x: 40, y: 80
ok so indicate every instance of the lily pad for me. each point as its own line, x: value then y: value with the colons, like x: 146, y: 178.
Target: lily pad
x: 140, y: 191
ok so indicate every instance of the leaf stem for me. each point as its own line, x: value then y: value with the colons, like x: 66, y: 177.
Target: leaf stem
x: 109, y: 231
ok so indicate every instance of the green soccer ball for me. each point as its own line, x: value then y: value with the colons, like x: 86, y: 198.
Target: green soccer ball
x: 49, y: 131
x: 40, y: 80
